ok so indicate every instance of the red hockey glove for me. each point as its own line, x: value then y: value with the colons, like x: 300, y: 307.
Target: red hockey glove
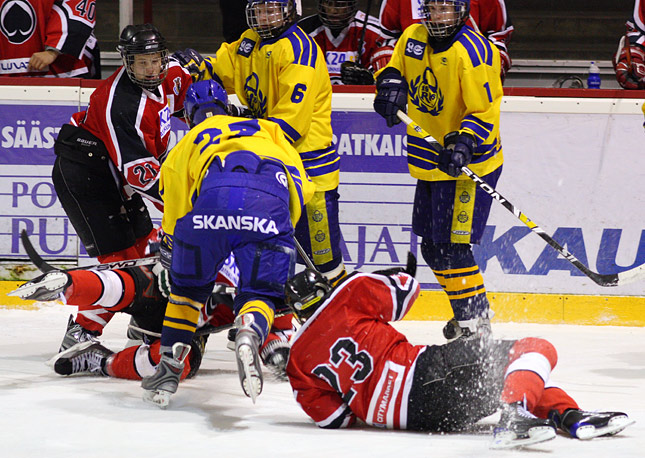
x: 630, y: 77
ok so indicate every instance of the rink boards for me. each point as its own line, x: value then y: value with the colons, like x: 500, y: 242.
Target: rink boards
x: 572, y: 165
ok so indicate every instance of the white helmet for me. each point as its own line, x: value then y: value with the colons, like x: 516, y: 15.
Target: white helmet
x: 269, y: 18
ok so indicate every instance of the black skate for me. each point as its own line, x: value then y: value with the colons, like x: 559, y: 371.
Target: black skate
x: 75, y: 334
x: 47, y: 287
x: 85, y: 358
x: 274, y: 356
x: 160, y: 385
x: 518, y: 427
x: 587, y: 425
x: 476, y: 328
x: 247, y: 344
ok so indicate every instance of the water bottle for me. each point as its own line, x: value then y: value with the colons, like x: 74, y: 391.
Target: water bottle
x: 593, y: 80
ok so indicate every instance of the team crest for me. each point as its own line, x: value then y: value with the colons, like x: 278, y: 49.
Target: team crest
x: 17, y: 21
x: 176, y: 86
x: 425, y: 93
x: 255, y: 99
x: 462, y: 217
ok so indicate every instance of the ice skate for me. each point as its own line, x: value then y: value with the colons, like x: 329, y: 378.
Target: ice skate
x: 47, y: 287
x: 85, y: 358
x: 74, y: 335
x: 163, y: 383
x: 274, y: 356
x: 587, y: 425
x: 475, y: 328
x: 518, y: 427
x: 247, y: 344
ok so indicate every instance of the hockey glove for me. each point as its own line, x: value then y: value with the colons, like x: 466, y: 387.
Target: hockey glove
x: 163, y: 279
x: 630, y: 77
x: 192, y: 61
x: 240, y: 112
x: 410, y: 268
x: 457, y: 152
x: 353, y: 73
x: 392, y: 95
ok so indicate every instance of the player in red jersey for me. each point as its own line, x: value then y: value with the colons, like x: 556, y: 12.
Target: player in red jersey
x: 52, y: 38
x: 348, y: 362
x: 109, y: 156
x: 486, y: 16
x: 340, y: 29
x: 629, y: 60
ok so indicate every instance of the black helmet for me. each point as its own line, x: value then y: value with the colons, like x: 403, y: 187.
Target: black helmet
x: 337, y: 14
x: 305, y: 292
x: 144, y: 39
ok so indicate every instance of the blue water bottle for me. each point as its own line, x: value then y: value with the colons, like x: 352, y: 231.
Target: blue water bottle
x: 593, y: 80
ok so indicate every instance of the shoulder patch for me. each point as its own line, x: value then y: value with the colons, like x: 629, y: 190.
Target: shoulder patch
x: 415, y: 48
x: 246, y: 47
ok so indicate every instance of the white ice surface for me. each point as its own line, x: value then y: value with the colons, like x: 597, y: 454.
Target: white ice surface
x: 45, y: 415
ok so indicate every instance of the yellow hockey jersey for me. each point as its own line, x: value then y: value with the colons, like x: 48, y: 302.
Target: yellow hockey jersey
x: 453, y: 89
x: 187, y: 163
x: 285, y: 81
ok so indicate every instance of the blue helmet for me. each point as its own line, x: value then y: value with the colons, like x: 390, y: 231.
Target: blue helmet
x: 269, y: 18
x: 442, y: 18
x: 203, y: 100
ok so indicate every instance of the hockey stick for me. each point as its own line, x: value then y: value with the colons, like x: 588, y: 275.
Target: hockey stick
x: 362, y: 39
x: 619, y: 279
x: 45, y: 267
x: 304, y: 256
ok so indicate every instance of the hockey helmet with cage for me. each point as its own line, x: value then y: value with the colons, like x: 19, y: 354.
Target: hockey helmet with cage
x: 144, y: 39
x: 337, y: 14
x: 305, y: 292
x: 205, y: 99
x: 442, y: 18
x: 269, y: 18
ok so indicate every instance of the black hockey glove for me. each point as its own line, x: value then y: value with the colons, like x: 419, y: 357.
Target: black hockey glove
x: 353, y: 73
x: 240, y: 112
x: 192, y: 61
x: 457, y: 152
x: 392, y: 95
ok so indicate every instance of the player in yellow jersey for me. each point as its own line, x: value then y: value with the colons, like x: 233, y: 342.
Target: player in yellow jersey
x: 448, y: 76
x: 279, y: 72
x: 230, y: 185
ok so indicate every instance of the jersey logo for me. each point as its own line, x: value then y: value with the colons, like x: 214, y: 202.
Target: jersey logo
x: 246, y: 47
x: 255, y: 99
x: 236, y: 222
x: 176, y: 85
x: 142, y: 174
x: 335, y: 59
x: 425, y: 93
x: 415, y: 49
x: 17, y: 21
x: 164, y: 121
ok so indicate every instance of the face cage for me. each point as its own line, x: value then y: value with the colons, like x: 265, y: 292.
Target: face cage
x: 345, y: 12
x: 444, y: 27
x: 274, y: 29
x: 146, y: 83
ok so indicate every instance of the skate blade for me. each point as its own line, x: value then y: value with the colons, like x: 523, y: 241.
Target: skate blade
x: 159, y: 398
x: 79, y: 346
x: 252, y: 385
x: 615, y: 425
x: 50, y: 284
x: 508, y: 439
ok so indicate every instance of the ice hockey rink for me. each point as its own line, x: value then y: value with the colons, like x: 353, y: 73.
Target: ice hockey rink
x: 46, y: 415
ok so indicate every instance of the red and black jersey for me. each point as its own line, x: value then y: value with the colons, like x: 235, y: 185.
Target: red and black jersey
x: 486, y: 16
x: 376, y: 49
x: 347, y: 361
x: 636, y: 27
x: 30, y: 26
x: 134, y: 125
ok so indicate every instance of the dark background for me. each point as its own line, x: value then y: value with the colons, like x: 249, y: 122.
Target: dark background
x: 544, y: 29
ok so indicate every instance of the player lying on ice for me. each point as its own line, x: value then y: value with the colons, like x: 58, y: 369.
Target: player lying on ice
x: 136, y: 291
x: 347, y: 362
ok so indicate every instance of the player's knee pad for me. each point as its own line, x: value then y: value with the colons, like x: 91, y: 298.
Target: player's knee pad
x: 444, y: 256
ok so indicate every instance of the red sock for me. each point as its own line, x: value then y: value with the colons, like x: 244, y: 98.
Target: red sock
x: 133, y: 361
x: 554, y: 398
x: 521, y: 384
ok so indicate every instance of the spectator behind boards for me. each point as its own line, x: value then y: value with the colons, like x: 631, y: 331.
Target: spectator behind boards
x: 52, y: 38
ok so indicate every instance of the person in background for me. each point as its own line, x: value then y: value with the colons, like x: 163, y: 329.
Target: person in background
x: 361, y: 367
x: 447, y: 75
x: 629, y: 59
x: 51, y: 38
x: 488, y: 17
x: 353, y: 43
